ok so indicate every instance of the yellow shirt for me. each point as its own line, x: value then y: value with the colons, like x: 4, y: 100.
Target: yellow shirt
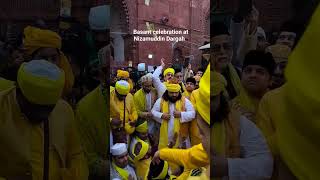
x: 92, y: 120
x: 22, y: 143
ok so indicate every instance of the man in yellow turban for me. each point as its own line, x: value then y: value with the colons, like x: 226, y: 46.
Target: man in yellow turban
x: 123, y: 112
x: 167, y: 74
x: 171, y: 111
x: 232, y: 132
x: 37, y: 127
x: 195, y: 160
x: 280, y: 54
x: 292, y: 126
x: 92, y: 116
x: 46, y: 44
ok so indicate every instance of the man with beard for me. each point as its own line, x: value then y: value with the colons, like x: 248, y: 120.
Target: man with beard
x: 144, y: 100
x: 38, y: 137
x: 195, y: 160
x: 190, y: 86
x: 280, y: 54
x: 239, y: 149
x: 257, y: 71
x: 172, y: 110
x: 168, y: 74
x: 120, y: 168
x: 222, y: 54
x: 92, y: 121
x: 123, y: 112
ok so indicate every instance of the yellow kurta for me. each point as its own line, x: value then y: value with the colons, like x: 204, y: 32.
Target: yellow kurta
x: 191, y: 158
x: 92, y: 120
x: 22, y: 143
x: 117, y: 110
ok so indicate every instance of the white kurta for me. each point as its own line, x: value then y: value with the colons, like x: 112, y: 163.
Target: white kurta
x: 160, y: 87
x: 114, y: 174
x: 256, y: 161
x: 186, y: 116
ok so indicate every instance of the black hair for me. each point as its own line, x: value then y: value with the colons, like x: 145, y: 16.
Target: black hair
x: 166, y: 97
x: 260, y: 58
x: 201, y: 69
x: 192, y: 80
x: 155, y: 170
x: 218, y: 28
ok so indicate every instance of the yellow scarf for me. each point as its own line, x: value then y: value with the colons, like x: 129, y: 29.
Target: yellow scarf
x: 246, y: 102
x: 140, y: 99
x: 226, y: 138
x: 298, y: 129
x: 236, y: 83
x: 163, y: 141
x: 187, y: 94
x: 123, y: 173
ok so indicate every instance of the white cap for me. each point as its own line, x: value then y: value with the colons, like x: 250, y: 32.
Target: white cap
x: 261, y: 32
x: 43, y: 68
x: 99, y: 17
x: 118, y: 149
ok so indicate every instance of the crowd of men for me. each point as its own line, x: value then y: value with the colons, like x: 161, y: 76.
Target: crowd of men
x: 259, y: 102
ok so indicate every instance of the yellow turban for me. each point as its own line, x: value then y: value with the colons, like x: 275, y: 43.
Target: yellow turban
x: 168, y: 70
x: 203, y: 100
x: 36, y: 38
x: 173, y: 87
x: 122, y: 74
x: 122, y: 87
x: 41, y: 82
x: 219, y: 83
x: 279, y: 52
x: 142, y: 128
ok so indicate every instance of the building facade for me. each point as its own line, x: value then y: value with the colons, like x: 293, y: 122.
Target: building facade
x: 128, y: 15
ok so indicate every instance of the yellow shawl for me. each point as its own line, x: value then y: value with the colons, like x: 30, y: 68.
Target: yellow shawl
x: 123, y: 173
x: 163, y: 141
x: 298, y: 130
x: 226, y: 137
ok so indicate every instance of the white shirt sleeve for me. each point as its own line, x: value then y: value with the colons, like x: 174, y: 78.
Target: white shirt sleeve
x: 256, y: 161
x: 189, y: 114
x: 160, y: 87
x: 156, y: 111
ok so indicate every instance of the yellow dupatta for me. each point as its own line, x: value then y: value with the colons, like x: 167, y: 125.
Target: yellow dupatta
x: 298, y: 130
x: 226, y: 138
x: 123, y: 173
x: 236, y: 83
x: 163, y: 141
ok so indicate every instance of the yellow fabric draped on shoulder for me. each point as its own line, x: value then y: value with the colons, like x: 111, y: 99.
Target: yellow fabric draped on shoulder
x: 234, y: 78
x: 123, y: 173
x: 226, y: 137
x: 163, y: 141
x: 140, y: 100
x: 245, y: 103
x: 298, y: 130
